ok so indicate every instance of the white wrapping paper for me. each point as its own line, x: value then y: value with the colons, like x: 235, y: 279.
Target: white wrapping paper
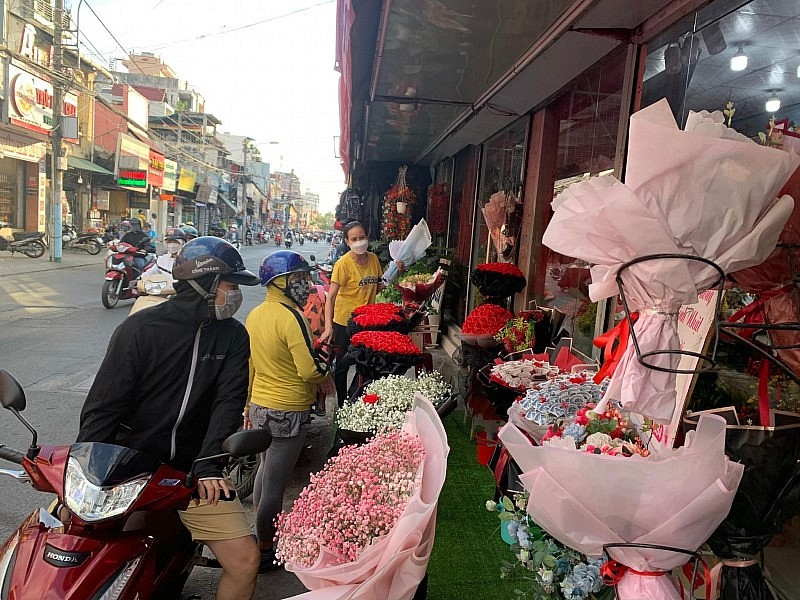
x: 675, y: 499
x: 687, y: 193
x: 409, y: 250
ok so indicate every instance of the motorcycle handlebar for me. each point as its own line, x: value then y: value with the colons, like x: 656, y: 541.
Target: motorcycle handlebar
x: 11, y: 455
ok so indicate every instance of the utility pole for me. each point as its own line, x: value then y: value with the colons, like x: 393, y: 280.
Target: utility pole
x: 57, y: 131
x: 245, y: 148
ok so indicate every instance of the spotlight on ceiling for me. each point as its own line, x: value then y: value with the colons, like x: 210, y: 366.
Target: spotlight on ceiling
x: 739, y: 60
x: 773, y: 105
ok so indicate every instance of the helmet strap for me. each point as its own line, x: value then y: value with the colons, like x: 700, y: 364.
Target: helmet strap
x: 208, y: 295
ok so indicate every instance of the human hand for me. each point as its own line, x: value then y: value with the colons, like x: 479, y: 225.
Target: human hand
x: 401, y: 266
x: 212, y: 490
x: 326, y: 336
x: 246, y: 423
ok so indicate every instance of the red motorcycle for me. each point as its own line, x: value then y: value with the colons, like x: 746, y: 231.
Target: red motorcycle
x: 114, y: 532
x: 121, y: 273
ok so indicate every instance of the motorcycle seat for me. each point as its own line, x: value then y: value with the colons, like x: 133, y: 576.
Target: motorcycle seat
x: 23, y: 235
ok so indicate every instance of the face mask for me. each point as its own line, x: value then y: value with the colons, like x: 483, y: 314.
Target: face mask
x: 359, y: 247
x: 233, y: 300
x: 173, y: 248
x: 298, y: 292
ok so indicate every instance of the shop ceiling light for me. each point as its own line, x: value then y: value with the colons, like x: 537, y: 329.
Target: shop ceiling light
x: 773, y: 105
x: 739, y: 61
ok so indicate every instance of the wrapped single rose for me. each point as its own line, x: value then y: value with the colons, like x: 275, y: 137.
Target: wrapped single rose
x: 498, y: 280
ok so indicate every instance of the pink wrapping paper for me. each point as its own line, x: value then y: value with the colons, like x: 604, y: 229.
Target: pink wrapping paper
x: 676, y: 499
x: 392, y: 566
x: 706, y: 196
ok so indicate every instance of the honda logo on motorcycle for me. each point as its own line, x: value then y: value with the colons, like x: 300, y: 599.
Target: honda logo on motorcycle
x: 62, y: 558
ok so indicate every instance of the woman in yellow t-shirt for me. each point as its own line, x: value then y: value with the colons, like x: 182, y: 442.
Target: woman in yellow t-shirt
x: 355, y: 281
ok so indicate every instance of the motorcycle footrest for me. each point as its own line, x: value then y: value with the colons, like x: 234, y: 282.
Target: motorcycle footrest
x: 211, y: 563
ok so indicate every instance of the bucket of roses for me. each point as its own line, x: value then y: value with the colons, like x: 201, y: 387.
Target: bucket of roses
x: 380, y: 353
x: 364, y: 526
x: 383, y: 316
x: 498, y: 280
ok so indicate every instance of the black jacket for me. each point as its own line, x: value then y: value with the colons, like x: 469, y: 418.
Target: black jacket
x: 139, y: 239
x: 137, y: 398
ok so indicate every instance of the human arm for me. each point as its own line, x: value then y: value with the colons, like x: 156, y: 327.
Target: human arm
x: 310, y: 368
x: 228, y: 398
x: 330, y: 302
x: 114, y: 388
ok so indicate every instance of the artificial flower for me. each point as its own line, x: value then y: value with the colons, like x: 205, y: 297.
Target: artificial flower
x: 389, y: 342
x: 486, y: 319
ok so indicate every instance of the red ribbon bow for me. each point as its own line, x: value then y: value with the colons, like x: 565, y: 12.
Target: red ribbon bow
x: 612, y: 572
x: 611, y: 355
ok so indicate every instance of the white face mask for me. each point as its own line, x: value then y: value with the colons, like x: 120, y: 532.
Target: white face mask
x: 233, y: 300
x: 173, y: 248
x: 359, y: 247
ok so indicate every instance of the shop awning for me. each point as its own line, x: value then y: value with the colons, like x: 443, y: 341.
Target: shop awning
x: 86, y: 165
x: 229, y: 203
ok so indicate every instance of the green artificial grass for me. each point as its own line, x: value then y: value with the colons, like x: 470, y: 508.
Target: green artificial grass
x: 468, y: 551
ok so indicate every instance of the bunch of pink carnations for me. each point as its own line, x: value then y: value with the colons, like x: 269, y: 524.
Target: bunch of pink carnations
x: 358, y: 496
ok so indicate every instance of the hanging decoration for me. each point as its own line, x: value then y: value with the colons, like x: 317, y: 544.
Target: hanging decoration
x: 437, y: 208
x: 398, y: 205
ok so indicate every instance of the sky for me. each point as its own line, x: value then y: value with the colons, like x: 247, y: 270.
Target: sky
x: 265, y: 69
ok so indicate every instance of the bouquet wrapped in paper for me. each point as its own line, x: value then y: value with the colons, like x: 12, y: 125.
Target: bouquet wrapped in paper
x: 711, y: 194
x: 409, y: 250
x: 592, y: 497
x: 416, y: 289
x: 392, y: 565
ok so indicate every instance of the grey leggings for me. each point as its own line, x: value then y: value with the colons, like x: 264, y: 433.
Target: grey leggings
x: 276, y: 467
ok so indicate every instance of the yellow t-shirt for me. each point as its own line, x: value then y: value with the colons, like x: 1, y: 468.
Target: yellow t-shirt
x: 357, y: 285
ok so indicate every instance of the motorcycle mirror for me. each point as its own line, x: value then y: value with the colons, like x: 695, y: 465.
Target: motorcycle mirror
x: 11, y: 394
x: 244, y: 443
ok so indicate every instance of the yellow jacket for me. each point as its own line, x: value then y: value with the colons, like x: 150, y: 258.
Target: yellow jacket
x: 284, y: 368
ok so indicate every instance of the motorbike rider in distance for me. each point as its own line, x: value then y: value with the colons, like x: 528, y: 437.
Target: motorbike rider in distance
x: 189, y: 230
x: 139, y: 240
x: 188, y: 413
x: 174, y: 240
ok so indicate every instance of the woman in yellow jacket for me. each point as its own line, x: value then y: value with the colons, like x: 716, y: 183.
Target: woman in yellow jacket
x: 285, y: 372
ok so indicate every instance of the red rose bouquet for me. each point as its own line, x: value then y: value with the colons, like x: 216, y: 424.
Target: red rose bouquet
x: 416, y: 289
x: 378, y: 317
x: 498, y: 280
x: 377, y: 354
x: 486, y: 320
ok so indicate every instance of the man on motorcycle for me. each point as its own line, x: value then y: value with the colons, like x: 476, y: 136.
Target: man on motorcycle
x: 139, y: 240
x: 173, y: 384
x: 174, y: 241
x: 189, y: 231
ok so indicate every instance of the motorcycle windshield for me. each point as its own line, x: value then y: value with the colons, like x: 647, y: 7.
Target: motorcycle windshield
x: 107, y: 465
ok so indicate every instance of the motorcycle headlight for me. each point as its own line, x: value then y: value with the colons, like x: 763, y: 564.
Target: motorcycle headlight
x: 155, y: 288
x: 92, y: 502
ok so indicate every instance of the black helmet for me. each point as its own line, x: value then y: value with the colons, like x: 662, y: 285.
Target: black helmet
x: 280, y: 263
x: 175, y: 234
x: 210, y: 255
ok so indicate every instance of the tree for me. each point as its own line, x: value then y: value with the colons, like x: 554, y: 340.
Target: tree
x: 325, y: 221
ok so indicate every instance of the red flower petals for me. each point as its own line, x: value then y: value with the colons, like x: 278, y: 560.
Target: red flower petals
x: 486, y: 319
x: 508, y: 269
x: 371, y: 398
x: 390, y: 342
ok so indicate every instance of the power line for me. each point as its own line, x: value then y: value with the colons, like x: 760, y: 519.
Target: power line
x: 113, y: 37
x: 241, y: 27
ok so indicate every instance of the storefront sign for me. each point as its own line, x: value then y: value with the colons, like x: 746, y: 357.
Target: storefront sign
x: 42, y: 196
x: 155, y: 171
x: 133, y: 178
x: 31, y: 102
x: 170, y: 175
x: 29, y: 49
x: 103, y: 200
x: 21, y: 148
x: 187, y: 180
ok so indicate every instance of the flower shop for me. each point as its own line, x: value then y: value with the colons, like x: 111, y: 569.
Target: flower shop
x: 600, y: 217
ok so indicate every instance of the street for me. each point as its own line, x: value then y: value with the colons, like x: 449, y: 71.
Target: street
x: 54, y: 336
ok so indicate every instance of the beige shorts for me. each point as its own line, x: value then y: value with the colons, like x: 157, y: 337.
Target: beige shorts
x: 225, y: 521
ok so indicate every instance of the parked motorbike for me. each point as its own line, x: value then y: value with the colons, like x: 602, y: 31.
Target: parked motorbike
x: 86, y: 242
x: 29, y: 243
x: 121, y: 274
x: 114, y: 531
